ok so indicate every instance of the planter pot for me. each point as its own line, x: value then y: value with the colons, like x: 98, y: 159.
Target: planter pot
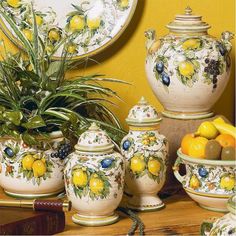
x: 94, y: 179
x: 145, y: 150
x: 208, y: 182
x: 188, y: 69
x: 31, y: 172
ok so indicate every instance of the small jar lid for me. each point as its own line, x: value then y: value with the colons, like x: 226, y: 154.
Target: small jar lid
x: 94, y: 140
x: 143, y: 114
x: 187, y: 23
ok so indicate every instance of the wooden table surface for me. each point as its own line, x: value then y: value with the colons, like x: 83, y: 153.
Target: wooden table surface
x: 180, y: 216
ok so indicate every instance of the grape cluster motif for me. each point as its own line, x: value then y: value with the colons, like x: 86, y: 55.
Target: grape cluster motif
x: 164, y: 76
x: 63, y: 151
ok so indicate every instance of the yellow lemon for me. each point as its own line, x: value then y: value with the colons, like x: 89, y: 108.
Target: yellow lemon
x: 14, y: 3
x: 27, y: 162
x: 49, y: 48
x: 194, y: 182
x: 186, y: 68
x: 124, y: 3
x: 28, y: 34
x: 94, y: 23
x: 227, y: 182
x: 137, y: 164
x: 71, y: 48
x: 79, y: 178
x: 39, y: 20
x: 152, y: 139
x: 207, y: 130
x: 54, y: 35
x: 197, y: 147
x: 154, y: 166
x: 191, y: 44
x: 39, y: 168
x: 145, y: 141
x: 76, y: 23
x: 96, y: 185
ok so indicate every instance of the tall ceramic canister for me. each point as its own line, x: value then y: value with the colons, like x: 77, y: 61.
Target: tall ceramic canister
x: 145, y: 150
x: 188, y: 69
x: 94, y: 178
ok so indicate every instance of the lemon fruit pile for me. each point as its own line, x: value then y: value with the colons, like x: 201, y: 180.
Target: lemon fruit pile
x: 213, y: 140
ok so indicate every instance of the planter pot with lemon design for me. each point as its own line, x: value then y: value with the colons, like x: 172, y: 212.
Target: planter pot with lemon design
x: 94, y: 179
x: 188, y: 69
x: 145, y: 150
x: 34, y: 171
x: 208, y: 182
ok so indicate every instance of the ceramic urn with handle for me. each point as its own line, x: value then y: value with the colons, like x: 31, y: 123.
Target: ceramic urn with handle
x: 188, y: 69
x: 94, y: 178
x: 145, y: 150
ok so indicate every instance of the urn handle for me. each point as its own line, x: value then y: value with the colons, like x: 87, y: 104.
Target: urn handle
x: 152, y: 44
x: 175, y: 168
x: 226, y: 36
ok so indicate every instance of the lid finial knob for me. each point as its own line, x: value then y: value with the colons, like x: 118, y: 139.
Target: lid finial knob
x: 142, y: 101
x: 188, y: 10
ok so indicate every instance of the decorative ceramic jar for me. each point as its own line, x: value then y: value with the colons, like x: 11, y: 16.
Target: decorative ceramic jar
x: 188, y: 69
x: 208, y: 182
x: 31, y: 172
x: 94, y: 178
x: 225, y: 225
x: 145, y: 150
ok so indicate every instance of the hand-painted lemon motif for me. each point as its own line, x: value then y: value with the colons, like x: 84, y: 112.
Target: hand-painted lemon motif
x: 186, y: 68
x: 94, y: 23
x: 54, y: 35
x: 49, y: 48
x: 76, y: 23
x: 38, y: 19
x: 39, y: 168
x: 137, y: 164
x: 96, y: 185
x: 227, y: 182
x: 28, y: 34
x: 14, y: 3
x: 191, y: 44
x: 27, y: 162
x: 71, y: 48
x: 145, y: 141
x: 79, y: 178
x: 124, y: 3
x: 152, y: 138
x: 194, y: 182
x: 154, y: 166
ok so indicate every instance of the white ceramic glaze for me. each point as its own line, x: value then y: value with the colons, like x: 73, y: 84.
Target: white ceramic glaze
x: 145, y: 150
x: 40, y: 176
x: 94, y: 179
x: 92, y: 24
x: 225, y: 225
x: 208, y: 182
x: 188, y: 69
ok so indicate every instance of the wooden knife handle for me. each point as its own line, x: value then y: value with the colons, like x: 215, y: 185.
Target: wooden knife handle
x: 51, y: 205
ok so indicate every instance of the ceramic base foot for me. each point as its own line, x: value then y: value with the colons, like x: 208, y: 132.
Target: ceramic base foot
x: 145, y: 203
x: 214, y: 209
x: 94, y: 221
x: 187, y: 116
x: 29, y: 196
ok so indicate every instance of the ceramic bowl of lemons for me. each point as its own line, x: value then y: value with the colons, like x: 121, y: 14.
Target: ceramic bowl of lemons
x: 208, y: 182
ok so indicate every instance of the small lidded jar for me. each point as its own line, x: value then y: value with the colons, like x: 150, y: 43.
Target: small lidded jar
x: 94, y: 178
x: 145, y: 151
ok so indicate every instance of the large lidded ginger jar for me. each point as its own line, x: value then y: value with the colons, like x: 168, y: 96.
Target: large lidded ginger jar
x: 94, y: 178
x: 145, y: 150
x: 188, y: 69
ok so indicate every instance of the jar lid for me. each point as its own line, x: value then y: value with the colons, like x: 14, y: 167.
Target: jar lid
x: 94, y: 140
x: 143, y: 114
x: 188, y: 23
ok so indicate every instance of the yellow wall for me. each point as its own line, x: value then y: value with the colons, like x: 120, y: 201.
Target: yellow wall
x: 125, y: 58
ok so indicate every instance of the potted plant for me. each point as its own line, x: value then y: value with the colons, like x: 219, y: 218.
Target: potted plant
x: 41, y: 112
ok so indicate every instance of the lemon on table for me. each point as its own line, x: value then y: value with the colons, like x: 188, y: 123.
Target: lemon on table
x: 28, y: 34
x: 77, y: 23
x: 27, y: 162
x: 94, y: 23
x: 96, y: 185
x: 137, y: 164
x: 194, y: 182
x: 227, y: 182
x: 79, y: 178
x: 197, y: 147
x: 191, y: 44
x: 186, y: 68
x: 207, y: 130
x: 154, y: 166
x: 39, y: 168
x: 14, y: 3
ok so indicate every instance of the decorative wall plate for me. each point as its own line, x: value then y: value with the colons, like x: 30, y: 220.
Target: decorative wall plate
x: 92, y: 24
